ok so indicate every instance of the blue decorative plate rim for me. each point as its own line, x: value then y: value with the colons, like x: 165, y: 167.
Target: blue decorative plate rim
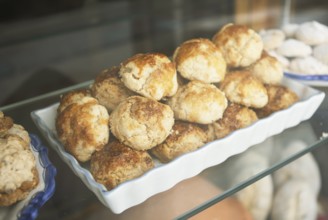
x: 31, y: 210
x: 322, y: 77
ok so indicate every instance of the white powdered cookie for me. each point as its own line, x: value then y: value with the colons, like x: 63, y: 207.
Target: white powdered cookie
x: 290, y: 29
x: 283, y: 60
x: 308, y: 65
x: 320, y: 52
x: 294, y: 48
x: 272, y: 39
x: 312, y: 33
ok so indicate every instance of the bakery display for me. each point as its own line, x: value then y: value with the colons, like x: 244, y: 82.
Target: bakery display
x: 151, y: 108
x: 18, y: 172
x: 199, y: 59
x: 303, y: 50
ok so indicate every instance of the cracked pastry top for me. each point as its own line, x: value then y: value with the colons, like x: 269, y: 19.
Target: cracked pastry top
x: 152, y: 75
x: 82, y: 126
x: 240, y: 45
x: 199, y: 59
x: 141, y: 123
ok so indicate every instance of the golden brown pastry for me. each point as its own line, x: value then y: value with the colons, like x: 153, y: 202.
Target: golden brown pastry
x: 198, y: 102
x: 73, y: 97
x: 109, y: 89
x: 240, y: 45
x: 234, y: 117
x: 185, y: 137
x: 18, y: 174
x: 199, y: 59
x: 141, y: 123
x: 152, y: 75
x: 280, y: 97
x: 82, y: 127
x: 268, y: 69
x: 243, y: 88
x: 117, y: 163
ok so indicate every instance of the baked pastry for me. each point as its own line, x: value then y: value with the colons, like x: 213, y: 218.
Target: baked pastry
x: 243, y: 88
x: 240, y: 45
x: 117, y: 163
x: 234, y: 117
x: 199, y: 59
x: 280, y: 97
x: 283, y: 60
x: 308, y: 65
x: 73, y: 97
x: 272, y: 38
x: 268, y: 69
x: 294, y: 48
x: 141, y: 123
x: 109, y: 89
x: 18, y: 174
x: 185, y: 137
x: 198, y: 102
x: 320, y: 52
x: 82, y: 126
x: 152, y: 75
x: 312, y: 33
x: 290, y: 30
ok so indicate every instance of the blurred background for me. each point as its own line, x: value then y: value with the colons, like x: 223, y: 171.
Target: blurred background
x: 46, y: 45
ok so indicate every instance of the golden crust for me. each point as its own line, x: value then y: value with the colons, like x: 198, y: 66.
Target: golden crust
x: 109, y: 89
x: 152, y: 75
x: 199, y: 59
x: 9, y: 198
x: 117, y: 163
x: 198, y: 102
x: 240, y: 45
x: 73, y: 97
x: 141, y: 122
x: 83, y: 128
x: 5, y: 123
x: 185, y: 137
x: 268, y: 69
x: 243, y: 88
x: 234, y: 117
x: 280, y: 97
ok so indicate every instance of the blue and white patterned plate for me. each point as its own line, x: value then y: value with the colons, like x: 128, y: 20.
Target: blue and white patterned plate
x: 320, y: 80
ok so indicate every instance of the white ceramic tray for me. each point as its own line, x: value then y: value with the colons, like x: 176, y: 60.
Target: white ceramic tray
x: 165, y: 176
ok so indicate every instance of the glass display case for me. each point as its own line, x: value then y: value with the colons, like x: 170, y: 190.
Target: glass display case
x: 48, y: 49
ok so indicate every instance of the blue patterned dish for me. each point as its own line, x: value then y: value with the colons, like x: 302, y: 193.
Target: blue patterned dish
x: 312, y: 80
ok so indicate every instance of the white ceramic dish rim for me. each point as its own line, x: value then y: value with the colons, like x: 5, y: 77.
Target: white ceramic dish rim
x: 320, y: 80
x: 136, y: 191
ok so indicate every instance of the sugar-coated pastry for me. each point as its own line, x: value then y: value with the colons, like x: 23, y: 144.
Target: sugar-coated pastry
x: 199, y: 59
x: 290, y: 29
x: 109, y: 89
x: 312, y: 33
x: 117, y: 163
x: 198, y: 102
x: 243, y: 88
x: 268, y: 69
x: 280, y: 97
x: 18, y: 174
x: 294, y: 48
x: 73, y: 97
x: 82, y: 127
x: 283, y: 60
x: 308, y: 65
x: 240, y: 45
x: 185, y: 137
x: 152, y: 75
x: 272, y: 38
x: 141, y: 123
x: 234, y: 117
x: 320, y: 52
